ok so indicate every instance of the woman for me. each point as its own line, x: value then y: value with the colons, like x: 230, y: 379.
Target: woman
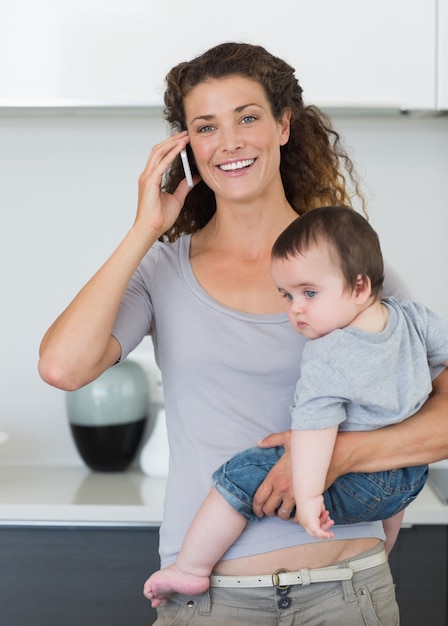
x: 228, y: 355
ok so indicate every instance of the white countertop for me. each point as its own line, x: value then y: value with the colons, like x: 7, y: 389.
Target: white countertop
x: 55, y: 495
x: 69, y: 495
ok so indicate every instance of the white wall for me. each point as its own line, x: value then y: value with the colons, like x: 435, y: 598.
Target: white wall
x: 68, y: 189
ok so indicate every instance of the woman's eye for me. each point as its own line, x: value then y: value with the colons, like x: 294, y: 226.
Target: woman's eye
x: 206, y: 129
x: 247, y: 119
x: 309, y: 293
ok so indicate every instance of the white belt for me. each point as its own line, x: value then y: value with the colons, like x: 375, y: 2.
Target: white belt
x: 283, y: 579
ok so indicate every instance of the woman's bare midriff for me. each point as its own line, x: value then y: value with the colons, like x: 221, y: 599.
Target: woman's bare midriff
x: 309, y: 555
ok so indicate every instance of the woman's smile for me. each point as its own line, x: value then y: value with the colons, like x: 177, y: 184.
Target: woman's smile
x: 235, y: 166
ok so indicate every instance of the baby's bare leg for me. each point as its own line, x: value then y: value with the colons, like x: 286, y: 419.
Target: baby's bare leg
x: 214, y: 529
x: 392, y: 528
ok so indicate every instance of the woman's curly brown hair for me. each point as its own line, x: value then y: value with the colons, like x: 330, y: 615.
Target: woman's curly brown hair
x: 314, y: 164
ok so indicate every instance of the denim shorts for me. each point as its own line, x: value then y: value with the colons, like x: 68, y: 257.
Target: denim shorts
x: 351, y: 498
x: 368, y: 599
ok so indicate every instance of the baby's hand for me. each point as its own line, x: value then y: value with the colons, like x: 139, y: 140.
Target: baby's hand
x: 314, y: 518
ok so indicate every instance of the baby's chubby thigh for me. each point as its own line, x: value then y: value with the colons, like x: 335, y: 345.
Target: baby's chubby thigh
x: 238, y: 479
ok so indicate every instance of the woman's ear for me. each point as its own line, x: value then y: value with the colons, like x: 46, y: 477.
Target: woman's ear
x: 285, y: 126
x: 363, y: 289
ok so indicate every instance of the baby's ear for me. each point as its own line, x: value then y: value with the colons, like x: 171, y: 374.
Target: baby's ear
x: 363, y: 288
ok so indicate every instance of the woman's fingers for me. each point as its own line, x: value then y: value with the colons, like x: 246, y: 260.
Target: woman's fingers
x: 157, y: 209
x: 162, y: 155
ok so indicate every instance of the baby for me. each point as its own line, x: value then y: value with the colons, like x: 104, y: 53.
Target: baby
x: 367, y: 365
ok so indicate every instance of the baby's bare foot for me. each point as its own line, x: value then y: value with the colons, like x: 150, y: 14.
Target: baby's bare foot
x: 172, y: 580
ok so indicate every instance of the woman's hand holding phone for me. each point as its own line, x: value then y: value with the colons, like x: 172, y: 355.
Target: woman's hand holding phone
x: 158, y: 209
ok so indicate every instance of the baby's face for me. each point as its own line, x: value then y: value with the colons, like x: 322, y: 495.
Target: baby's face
x: 314, y: 287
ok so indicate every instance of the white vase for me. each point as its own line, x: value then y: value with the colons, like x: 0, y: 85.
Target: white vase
x: 155, y: 454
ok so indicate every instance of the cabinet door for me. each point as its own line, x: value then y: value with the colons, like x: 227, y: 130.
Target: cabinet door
x: 76, y: 576
x: 442, y: 56
x: 94, y: 576
x: 420, y: 568
x: 375, y: 53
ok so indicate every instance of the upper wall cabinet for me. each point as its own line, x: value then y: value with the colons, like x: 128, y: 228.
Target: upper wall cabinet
x: 442, y: 56
x: 375, y: 53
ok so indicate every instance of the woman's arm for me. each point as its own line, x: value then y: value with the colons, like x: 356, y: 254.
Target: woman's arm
x: 79, y: 346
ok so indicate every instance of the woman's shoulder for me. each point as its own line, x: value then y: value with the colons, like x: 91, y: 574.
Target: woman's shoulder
x: 165, y: 251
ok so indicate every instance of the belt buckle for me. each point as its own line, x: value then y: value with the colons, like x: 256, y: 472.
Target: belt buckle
x: 276, y: 579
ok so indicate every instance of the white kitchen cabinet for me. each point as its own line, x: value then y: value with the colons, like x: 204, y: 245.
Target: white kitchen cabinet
x: 442, y: 56
x: 365, y: 54
x: 375, y: 53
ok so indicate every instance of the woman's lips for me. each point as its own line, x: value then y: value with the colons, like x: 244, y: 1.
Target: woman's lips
x: 236, y: 165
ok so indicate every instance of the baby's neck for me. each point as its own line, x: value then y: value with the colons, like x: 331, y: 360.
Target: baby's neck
x: 373, y: 318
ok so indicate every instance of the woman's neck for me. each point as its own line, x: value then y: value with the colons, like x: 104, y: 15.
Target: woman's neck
x: 245, y: 230
x: 231, y: 257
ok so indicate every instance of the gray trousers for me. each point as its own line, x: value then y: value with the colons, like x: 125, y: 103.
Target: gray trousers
x: 368, y: 599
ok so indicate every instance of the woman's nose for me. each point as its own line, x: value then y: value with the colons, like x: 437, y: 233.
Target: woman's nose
x: 231, y: 139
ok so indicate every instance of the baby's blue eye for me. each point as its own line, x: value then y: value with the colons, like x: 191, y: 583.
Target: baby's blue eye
x: 309, y: 293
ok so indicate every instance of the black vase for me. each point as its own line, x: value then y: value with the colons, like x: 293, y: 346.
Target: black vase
x: 108, y: 416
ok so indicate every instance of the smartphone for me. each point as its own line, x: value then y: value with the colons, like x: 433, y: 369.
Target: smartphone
x: 186, y: 166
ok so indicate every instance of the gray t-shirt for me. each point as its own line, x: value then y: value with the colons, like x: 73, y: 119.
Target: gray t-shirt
x: 363, y: 381
x: 228, y: 380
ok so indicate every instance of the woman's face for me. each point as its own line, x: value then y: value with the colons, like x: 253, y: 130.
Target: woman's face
x: 234, y: 137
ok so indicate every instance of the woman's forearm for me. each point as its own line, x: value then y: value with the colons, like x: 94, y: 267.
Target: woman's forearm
x: 421, y: 439
x: 78, y: 346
